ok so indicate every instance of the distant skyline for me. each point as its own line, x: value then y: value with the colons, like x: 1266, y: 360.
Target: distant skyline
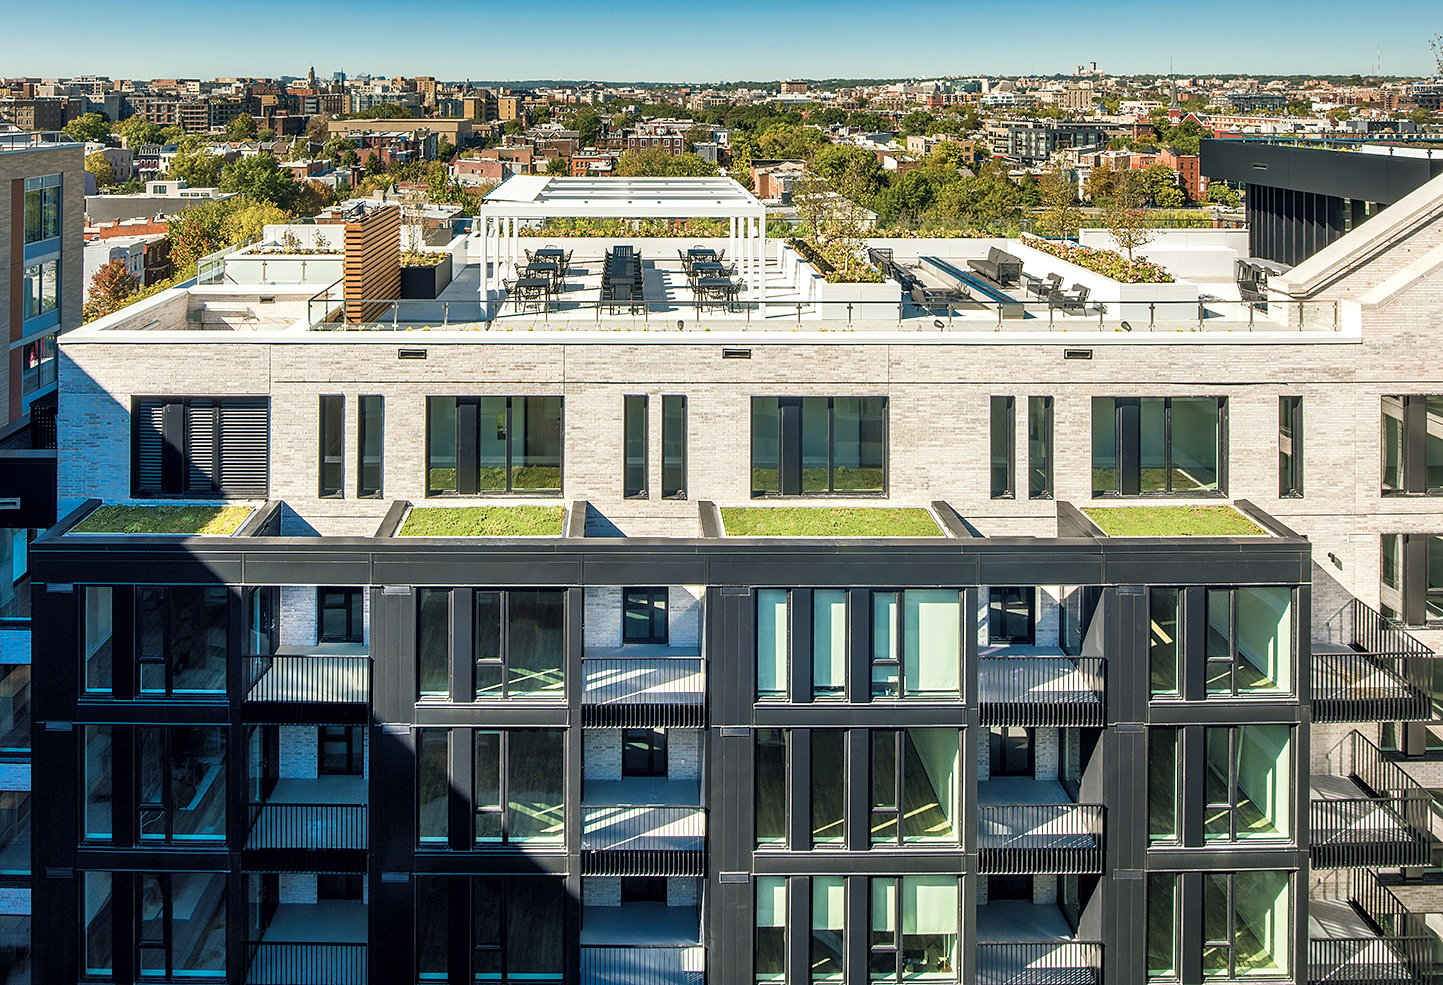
x: 654, y: 41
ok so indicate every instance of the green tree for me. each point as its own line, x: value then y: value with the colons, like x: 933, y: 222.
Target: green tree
x: 1163, y: 188
x: 988, y: 201
x: 137, y: 130
x: 241, y: 127
x: 587, y: 124
x: 558, y: 166
x: 99, y: 165
x: 1223, y: 195
x: 1060, y: 216
x: 917, y: 122
x: 197, y: 167
x: 333, y: 149
x: 850, y: 171
x: 653, y: 162
x: 92, y: 127
x: 1125, y: 214
x: 262, y: 178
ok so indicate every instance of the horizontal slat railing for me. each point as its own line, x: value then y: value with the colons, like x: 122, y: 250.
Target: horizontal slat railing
x: 303, y: 963
x: 1040, y: 838
x: 285, y: 825
x: 319, y: 678
x: 1039, y: 963
x: 643, y: 964
x: 1042, y: 691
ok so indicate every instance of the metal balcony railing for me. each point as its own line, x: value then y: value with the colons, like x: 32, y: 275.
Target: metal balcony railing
x: 1041, y: 691
x: 643, y: 964
x: 306, y: 963
x: 307, y: 826
x: 1368, y: 960
x: 626, y: 840
x: 1389, y: 824
x: 1370, y: 670
x: 1039, y: 838
x: 1039, y: 963
x: 643, y: 692
x: 319, y: 678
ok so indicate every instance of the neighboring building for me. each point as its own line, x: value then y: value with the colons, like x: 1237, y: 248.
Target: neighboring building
x: 146, y: 257
x: 456, y: 132
x: 772, y: 181
x: 791, y: 88
x: 34, y: 114
x: 158, y: 198
x: 946, y: 729
x: 1033, y: 144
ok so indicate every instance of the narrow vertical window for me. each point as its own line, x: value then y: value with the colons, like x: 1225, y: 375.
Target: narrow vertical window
x: 1162, y: 639
x: 829, y: 785
x: 433, y: 784
x: 771, y: 939
x: 1290, y: 447
x: 829, y: 933
x: 370, y: 425
x: 1162, y: 784
x: 770, y: 791
x: 1039, y: 447
x: 634, y: 440
x: 332, y: 433
x: 673, y: 447
x: 829, y: 643
x: 433, y: 643
x: 773, y: 642
x: 1162, y: 924
x: 1003, y: 423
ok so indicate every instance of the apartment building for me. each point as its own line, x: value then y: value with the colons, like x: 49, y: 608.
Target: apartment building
x: 602, y: 650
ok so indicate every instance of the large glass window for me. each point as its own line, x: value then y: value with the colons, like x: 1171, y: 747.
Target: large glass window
x: 770, y: 949
x: 181, y: 928
x: 181, y: 793
x: 829, y: 643
x: 370, y: 425
x: 38, y: 365
x: 341, y: 615
x: 773, y: 642
x: 1412, y: 445
x: 41, y: 288
x: 433, y: 642
x: 1246, y: 924
x: 97, y: 933
x: 1162, y: 925
x: 98, y: 773
x: 1164, y: 613
x: 14, y: 708
x: 1162, y: 783
x: 42, y: 207
x: 183, y: 640
x: 1011, y: 614
x: 829, y: 785
x: 1249, y: 639
x: 525, y: 770
x: 1249, y: 783
x: 916, y: 774
x: 493, y: 445
x: 829, y: 928
x: 1004, y: 425
x: 634, y: 443
x: 917, y: 643
x: 643, y: 615
x: 520, y: 643
x: 96, y: 646
x: 914, y: 929
x: 1039, y: 447
x: 515, y: 925
x: 433, y: 784
x: 819, y: 446
x: 771, y: 786
x: 14, y: 833
x: 1158, y: 446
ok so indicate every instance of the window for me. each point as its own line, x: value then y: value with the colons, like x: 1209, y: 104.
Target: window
x: 520, y: 643
x: 370, y: 432
x: 183, y: 641
x: 333, y: 447
x: 493, y: 445
x: 673, y: 447
x: 1163, y: 920
x: 96, y: 638
x: 201, y: 446
x: 14, y: 708
x: 914, y: 929
x: 1004, y: 429
x: 1011, y: 614
x: 342, y: 750
x: 40, y: 289
x: 773, y: 642
x: 1248, y: 786
x: 97, y: 771
x: 433, y: 642
x: 829, y: 643
x: 37, y: 365
x: 916, y: 643
x: 515, y: 925
x: 915, y: 777
x: 643, y: 752
x: 14, y: 832
x: 1412, y: 578
x: 348, y: 886
x: 524, y: 770
x: 1164, y: 614
x: 634, y: 442
x: 1412, y: 445
x: 342, y: 615
x: 1039, y: 447
x: 829, y: 785
x: 1162, y: 784
x: 1246, y: 921
x: 771, y: 786
x: 180, y: 925
x: 96, y: 916
x: 1249, y: 639
x: 770, y: 949
x: 1011, y: 751
x: 42, y: 208
x: 819, y: 446
x: 1290, y: 447
x: 180, y: 792
x: 829, y: 928
x: 1159, y: 446
x: 433, y: 747
x: 643, y: 615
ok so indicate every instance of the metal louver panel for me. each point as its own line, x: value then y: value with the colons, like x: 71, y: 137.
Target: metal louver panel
x: 200, y: 448
x: 148, y: 443
x: 245, y: 447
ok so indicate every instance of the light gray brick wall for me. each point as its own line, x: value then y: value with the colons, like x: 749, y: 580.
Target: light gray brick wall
x: 1045, y: 750
x: 601, y: 891
x: 982, y: 891
x: 984, y: 756
x: 601, y: 753
x: 1044, y: 890
x: 602, y: 616
x: 683, y: 754
x: 299, y: 752
x: 683, y: 891
x: 298, y: 887
x: 298, y: 615
x: 1073, y: 738
x: 684, y: 614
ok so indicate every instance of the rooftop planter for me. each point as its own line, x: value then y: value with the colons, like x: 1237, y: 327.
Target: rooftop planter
x: 425, y: 275
x: 1109, y: 263
x: 483, y: 521
x: 828, y: 521
x: 1124, y: 297
x: 1172, y: 521
x: 195, y: 521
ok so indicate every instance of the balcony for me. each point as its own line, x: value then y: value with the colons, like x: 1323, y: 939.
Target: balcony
x: 294, y: 678
x: 643, y: 827
x: 1367, y: 813
x: 643, y: 687
x: 1038, y: 686
x: 1027, y: 826
x: 328, y: 812
x: 1367, y: 937
x: 1022, y: 943
x: 321, y: 943
x: 642, y: 944
x: 1367, y: 670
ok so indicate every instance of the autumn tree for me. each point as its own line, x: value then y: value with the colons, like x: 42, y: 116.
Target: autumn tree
x: 1125, y: 214
x: 99, y: 165
x: 197, y: 167
x: 110, y: 290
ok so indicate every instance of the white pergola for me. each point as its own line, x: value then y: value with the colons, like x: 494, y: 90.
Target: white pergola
x: 529, y: 197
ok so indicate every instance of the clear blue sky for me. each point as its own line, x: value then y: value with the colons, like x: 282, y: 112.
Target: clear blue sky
x: 705, y: 40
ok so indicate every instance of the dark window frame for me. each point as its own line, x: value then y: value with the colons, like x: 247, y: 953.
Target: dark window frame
x: 1026, y: 594
x: 351, y: 741
x: 635, y: 475
x: 1290, y: 447
x: 1127, y: 441
x: 790, y: 443
x: 877, y: 688
x: 352, y: 603
x: 366, y: 489
x: 673, y: 437
x: 470, y: 444
x: 502, y: 660
x: 1412, y: 450
x: 653, y: 602
x: 1002, y: 475
x: 174, y: 462
x: 331, y: 452
x: 502, y: 809
x: 1040, y: 414
x: 653, y: 762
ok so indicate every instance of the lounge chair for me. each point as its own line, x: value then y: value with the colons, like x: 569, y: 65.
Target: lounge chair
x: 1074, y: 301
x: 1000, y: 267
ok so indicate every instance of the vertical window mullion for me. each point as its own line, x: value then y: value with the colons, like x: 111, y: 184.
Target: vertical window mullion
x: 503, y: 747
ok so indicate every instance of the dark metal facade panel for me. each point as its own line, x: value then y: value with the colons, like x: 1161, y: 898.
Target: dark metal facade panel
x: 1377, y: 178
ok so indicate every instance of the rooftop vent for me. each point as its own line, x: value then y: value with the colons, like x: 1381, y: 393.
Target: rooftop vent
x: 736, y: 353
x: 410, y: 353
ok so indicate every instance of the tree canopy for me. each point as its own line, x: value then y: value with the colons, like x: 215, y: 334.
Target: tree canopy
x: 92, y: 127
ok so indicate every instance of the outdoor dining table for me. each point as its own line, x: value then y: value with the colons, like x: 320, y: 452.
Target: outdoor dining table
x: 710, y: 287
x: 708, y: 267
x: 525, y: 285
x: 697, y: 252
x: 549, y: 253
x: 542, y: 267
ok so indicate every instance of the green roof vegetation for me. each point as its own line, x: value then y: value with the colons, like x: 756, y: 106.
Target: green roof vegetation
x: 206, y: 521
x: 1173, y: 521
x: 828, y: 521
x: 483, y: 521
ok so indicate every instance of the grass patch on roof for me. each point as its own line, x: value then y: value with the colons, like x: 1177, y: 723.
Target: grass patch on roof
x: 205, y: 521
x: 1173, y: 521
x: 828, y: 521
x: 483, y: 521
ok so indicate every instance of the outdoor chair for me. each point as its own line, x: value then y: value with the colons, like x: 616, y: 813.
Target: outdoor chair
x: 1073, y: 301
